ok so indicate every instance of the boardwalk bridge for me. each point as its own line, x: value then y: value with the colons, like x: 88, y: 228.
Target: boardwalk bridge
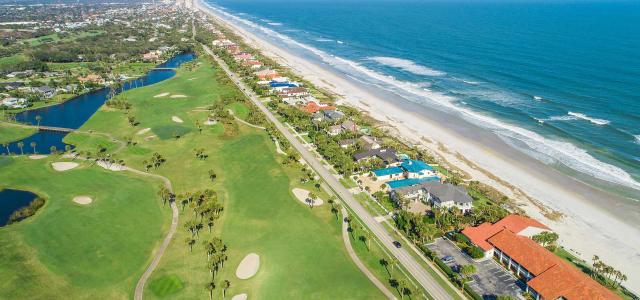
x: 55, y: 129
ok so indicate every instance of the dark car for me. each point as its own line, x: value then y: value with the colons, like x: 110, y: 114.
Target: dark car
x: 447, y: 259
x: 397, y: 244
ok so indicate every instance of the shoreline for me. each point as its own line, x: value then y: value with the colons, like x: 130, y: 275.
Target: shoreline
x: 593, y: 220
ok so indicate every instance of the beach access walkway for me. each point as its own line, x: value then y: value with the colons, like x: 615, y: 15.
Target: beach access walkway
x: 424, y: 278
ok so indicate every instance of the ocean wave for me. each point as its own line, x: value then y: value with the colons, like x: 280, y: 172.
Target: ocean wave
x: 323, y: 40
x: 275, y: 23
x: 562, y: 152
x: 340, y: 42
x: 637, y: 138
x: 537, y: 98
x: 561, y: 118
x: 590, y: 119
x: 406, y: 65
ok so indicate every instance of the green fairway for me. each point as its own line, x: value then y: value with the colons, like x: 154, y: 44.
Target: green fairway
x: 301, y: 249
x: 11, y: 133
x: 77, y: 251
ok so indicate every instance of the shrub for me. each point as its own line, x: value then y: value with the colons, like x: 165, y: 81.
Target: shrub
x: 474, y: 252
x: 444, y: 268
x: 472, y: 293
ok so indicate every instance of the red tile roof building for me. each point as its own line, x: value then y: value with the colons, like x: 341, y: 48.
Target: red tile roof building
x: 547, y: 276
x: 313, y: 107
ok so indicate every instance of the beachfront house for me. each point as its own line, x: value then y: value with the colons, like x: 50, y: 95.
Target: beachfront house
x: 242, y: 57
x: 312, y: 107
x: 350, y: 126
x: 335, y: 130
x: 387, y: 155
x: 266, y: 74
x: 254, y: 64
x: 430, y: 190
x: 545, y: 275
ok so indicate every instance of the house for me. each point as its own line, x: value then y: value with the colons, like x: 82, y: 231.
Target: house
x: 387, y: 155
x: 313, y: 107
x: 447, y: 195
x: 266, y: 74
x: 409, y: 168
x: 369, y: 142
x: 242, y: 57
x: 254, y: 64
x: 546, y: 276
x: 515, y: 223
x: 15, y: 102
x: 350, y: 126
x: 222, y: 43
x: 346, y: 143
x: 151, y: 55
x: 334, y: 130
x: 11, y: 85
x: 293, y: 92
x: 332, y: 115
x: 45, y: 91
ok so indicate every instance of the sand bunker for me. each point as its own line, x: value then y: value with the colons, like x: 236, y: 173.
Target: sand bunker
x: 82, y: 200
x: 37, y: 156
x: 151, y: 137
x: 210, y: 122
x: 303, y: 196
x: 178, y: 96
x: 63, y: 166
x: 239, y: 297
x: 248, y: 266
x: 176, y: 119
x: 143, y: 131
x: 161, y: 95
x: 111, y: 167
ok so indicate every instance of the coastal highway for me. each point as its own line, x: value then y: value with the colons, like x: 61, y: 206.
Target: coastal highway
x: 409, y: 262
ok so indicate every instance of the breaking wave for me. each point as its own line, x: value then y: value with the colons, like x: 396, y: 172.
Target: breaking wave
x: 590, y: 119
x: 406, y: 65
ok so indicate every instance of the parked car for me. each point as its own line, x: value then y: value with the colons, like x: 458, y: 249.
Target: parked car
x: 397, y: 244
x: 447, y: 259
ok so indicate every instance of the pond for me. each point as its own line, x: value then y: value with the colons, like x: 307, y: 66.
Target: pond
x: 13, y: 200
x: 75, y: 112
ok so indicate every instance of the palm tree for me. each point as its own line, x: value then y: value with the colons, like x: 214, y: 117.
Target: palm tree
x: 402, y: 286
x: 466, y: 271
x: 53, y: 149
x: 210, y: 287
x: 21, y: 145
x: 33, y: 145
x: 312, y: 199
x: 38, y: 119
x: 190, y: 242
x: 225, y: 285
x: 385, y: 264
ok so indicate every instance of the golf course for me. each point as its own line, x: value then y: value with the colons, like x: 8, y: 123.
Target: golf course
x: 100, y: 249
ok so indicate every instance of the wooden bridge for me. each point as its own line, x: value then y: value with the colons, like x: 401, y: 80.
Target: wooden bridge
x: 54, y: 129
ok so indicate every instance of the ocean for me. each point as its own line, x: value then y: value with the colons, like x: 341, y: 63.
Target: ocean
x: 559, y: 81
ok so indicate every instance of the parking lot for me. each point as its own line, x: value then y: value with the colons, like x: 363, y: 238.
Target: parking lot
x: 490, y: 279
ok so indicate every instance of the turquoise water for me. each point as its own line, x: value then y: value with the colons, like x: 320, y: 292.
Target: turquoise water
x: 558, y: 80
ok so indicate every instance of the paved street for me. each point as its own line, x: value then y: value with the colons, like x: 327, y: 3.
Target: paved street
x: 409, y: 262
x: 489, y: 280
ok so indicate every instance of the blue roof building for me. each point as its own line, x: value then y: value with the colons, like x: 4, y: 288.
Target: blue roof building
x: 388, y: 171
x: 410, y: 181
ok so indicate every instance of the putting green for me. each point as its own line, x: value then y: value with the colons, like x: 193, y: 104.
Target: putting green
x: 69, y: 251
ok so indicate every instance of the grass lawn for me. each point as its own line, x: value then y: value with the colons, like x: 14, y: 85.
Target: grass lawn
x: 239, y: 110
x: 78, y: 252
x: 11, y: 60
x: 301, y: 249
x: 11, y: 133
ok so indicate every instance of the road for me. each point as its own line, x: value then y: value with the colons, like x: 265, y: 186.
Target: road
x: 408, y: 262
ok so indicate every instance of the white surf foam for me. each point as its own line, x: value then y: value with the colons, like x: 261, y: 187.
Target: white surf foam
x: 275, y: 23
x: 590, y: 119
x: 406, y: 65
x: 340, y: 42
x: 324, y: 40
x: 537, y: 98
x: 562, y: 152
x: 637, y: 137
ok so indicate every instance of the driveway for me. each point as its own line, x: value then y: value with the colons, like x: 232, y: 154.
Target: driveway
x: 490, y: 279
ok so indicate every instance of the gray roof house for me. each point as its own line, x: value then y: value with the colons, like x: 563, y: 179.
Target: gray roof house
x: 388, y: 155
x: 45, y: 91
x: 438, y: 194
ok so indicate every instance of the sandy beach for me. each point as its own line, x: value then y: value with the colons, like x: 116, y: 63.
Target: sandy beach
x: 593, y: 222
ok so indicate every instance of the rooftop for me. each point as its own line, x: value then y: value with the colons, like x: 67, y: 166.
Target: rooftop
x: 554, y: 277
x: 388, y: 171
x: 415, y: 166
x: 446, y: 192
x: 396, y: 184
x: 515, y: 223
